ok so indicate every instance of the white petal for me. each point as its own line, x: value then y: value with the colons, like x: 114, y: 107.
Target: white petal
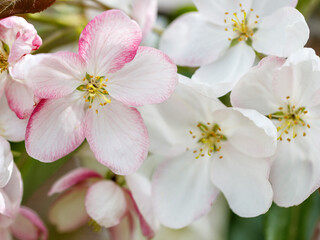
x: 11, y: 127
x: 215, y: 10
x: 148, y: 79
x: 192, y: 40
x: 281, y: 33
x: 221, y: 75
x: 267, y: 7
x: 106, y: 203
x: 6, y: 162
x: 186, y: 107
x: 244, y: 181
x: 68, y: 212
x: 55, y: 128
x: 182, y: 191
x: 247, y: 131
x: 117, y: 137
x: 255, y: 90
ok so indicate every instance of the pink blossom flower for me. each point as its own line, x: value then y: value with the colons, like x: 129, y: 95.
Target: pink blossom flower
x: 288, y: 92
x: 92, y: 95
x: 17, y: 39
x: 11, y: 129
x: 85, y: 195
x: 21, y: 222
x: 224, y: 36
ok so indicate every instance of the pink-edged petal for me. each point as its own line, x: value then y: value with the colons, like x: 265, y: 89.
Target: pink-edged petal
x: 12, y: 128
x: 20, y: 98
x: 20, y: 36
x: 55, y: 128
x: 215, y: 10
x: 106, y: 203
x: 186, y: 107
x: 5, y: 234
x: 267, y: 7
x: 219, y: 79
x: 68, y: 212
x: 182, y: 190
x: 10, y: 197
x: 54, y: 75
x: 295, y: 170
x: 257, y: 86
x: 243, y: 180
x: 117, y: 137
x: 108, y: 42
x: 248, y: 131
x: 124, y: 230
x: 192, y: 40
x: 6, y: 162
x: 29, y: 226
x: 72, y: 178
x: 148, y: 79
x: 140, y: 188
x: 145, y: 13
x: 281, y: 33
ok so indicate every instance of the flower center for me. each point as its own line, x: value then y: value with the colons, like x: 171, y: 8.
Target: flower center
x: 210, y: 138
x: 290, y: 120
x: 94, y: 88
x: 240, y: 24
x: 4, y: 53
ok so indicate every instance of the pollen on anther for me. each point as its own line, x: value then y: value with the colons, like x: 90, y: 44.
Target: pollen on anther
x: 226, y: 29
x: 221, y: 157
x: 257, y: 16
x: 287, y: 97
x: 190, y: 132
x: 193, y: 136
x: 308, y: 125
x: 251, y: 9
x: 97, y: 111
x: 225, y: 21
x: 226, y: 13
x: 288, y: 139
x: 195, y: 151
x: 229, y: 39
x: 304, y: 134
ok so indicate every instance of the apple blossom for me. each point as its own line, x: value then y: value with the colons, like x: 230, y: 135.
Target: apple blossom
x: 11, y: 129
x: 90, y: 95
x: 15, y: 220
x: 17, y: 39
x: 224, y: 35
x: 85, y: 195
x: 288, y: 92
x: 210, y: 148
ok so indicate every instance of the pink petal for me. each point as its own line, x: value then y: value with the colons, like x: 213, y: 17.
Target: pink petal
x: 182, y: 190
x: 117, y: 137
x: 54, y: 75
x: 20, y: 36
x: 72, y: 178
x: 6, y: 162
x: 5, y: 234
x: 106, y: 203
x: 124, y: 230
x: 68, y: 212
x: 148, y: 79
x: 20, y: 98
x: 13, y: 128
x: 55, y: 128
x: 29, y: 226
x: 108, y: 42
x: 191, y: 40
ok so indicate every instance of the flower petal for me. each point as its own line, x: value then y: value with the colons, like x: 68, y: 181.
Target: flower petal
x: 12, y: 128
x: 6, y: 162
x: 72, y: 178
x: 54, y: 75
x: 281, y: 33
x: 108, y: 42
x: 192, y: 40
x: 244, y: 181
x: 257, y: 86
x: 106, y: 203
x: 20, y: 98
x: 148, y: 79
x: 5, y: 234
x: 248, y: 131
x: 267, y: 7
x: 55, y: 128
x: 29, y: 226
x: 180, y: 199
x: 124, y: 230
x: 117, y: 137
x: 221, y: 75
x: 68, y: 212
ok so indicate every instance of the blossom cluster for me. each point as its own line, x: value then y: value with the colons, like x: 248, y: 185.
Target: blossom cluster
x: 165, y: 146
